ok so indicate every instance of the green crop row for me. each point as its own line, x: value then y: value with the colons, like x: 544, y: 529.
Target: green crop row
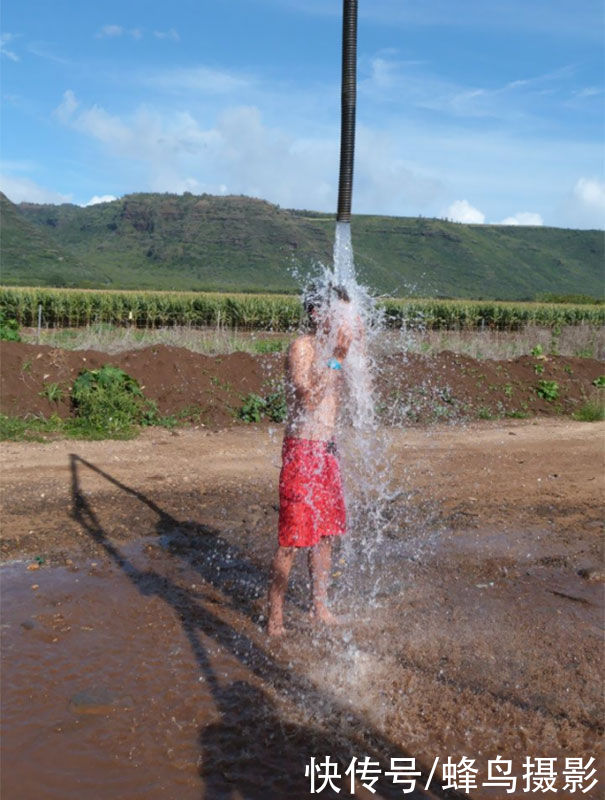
x: 452, y: 314
x: 75, y: 308
x: 79, y: 307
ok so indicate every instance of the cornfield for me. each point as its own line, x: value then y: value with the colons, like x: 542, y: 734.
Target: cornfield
x: 80, y: 307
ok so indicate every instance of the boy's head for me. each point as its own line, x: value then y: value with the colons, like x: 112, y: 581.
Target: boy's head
x: 317, y: 300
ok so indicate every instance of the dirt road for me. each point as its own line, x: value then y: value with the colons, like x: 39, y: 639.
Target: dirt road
x: 472, y: 629
x: 522, y: 475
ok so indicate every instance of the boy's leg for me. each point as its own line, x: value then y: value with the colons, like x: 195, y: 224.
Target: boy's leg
x: 320, y: 561
x: 280, y: 572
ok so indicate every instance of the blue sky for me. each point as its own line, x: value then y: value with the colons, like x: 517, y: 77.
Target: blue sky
x: 474, y: 110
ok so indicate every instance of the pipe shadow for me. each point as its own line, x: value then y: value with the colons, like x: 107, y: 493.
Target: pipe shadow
x: 252, y: 752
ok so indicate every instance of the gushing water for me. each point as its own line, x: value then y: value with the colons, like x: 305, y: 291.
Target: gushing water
x: 356, y: 324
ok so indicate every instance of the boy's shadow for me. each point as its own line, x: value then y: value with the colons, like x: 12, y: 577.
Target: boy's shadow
x: 252, y: 752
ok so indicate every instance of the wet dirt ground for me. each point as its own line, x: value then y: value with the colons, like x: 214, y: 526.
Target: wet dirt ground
x: 135, y: 659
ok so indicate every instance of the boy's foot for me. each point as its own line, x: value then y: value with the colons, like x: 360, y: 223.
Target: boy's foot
x: 324, y: 616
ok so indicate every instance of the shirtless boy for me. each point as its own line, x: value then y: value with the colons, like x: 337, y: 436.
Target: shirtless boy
x: 312, y: 507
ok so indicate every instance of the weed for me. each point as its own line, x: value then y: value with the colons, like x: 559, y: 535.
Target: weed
x: 273, y: 406
x: 53, y: 392
x: 268, y: 346
x: 591, y: 411
x: 537, y: 350
x: 548, y: 390
x: 484, y: 413
x: 192, y: 413
x: 26, y: 366
x: 538, y: 369
x: 110, y: 402
x: 31, y: 429
x: 568, y: 369
x: 445, y: 394
x: 508, y: 389
x: 599, y: 382
x: 554, y: 340
x: 252, y: 409
x: 9, y: 328
x: 276, y: 406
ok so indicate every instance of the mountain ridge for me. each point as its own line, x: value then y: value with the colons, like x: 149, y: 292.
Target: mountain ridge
x: 237, y: 243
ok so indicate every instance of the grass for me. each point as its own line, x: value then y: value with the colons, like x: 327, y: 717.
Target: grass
x: 108, y: 404
x: 31, y: 429
x: 574, y: 340
x: 111, y: 339
x: 591, y: 411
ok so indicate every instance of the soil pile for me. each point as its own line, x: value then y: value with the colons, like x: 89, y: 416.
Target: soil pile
x: 210, y: 389
x: 207, y: 389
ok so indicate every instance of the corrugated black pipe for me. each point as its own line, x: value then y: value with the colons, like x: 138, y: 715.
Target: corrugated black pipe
x: 347, y: 122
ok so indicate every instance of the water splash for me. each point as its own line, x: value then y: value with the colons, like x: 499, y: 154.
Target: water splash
x: 362, y: 442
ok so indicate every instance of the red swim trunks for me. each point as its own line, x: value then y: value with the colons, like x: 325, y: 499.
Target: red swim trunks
x: 311, y: 503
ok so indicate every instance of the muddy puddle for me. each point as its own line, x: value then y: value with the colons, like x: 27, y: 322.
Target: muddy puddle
x: 145, y: 672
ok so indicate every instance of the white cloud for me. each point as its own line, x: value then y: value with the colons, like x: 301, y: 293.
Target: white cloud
x: 585, y: 204
x: 239, y: 153
x: 522, y: 218
x: 171, y: 34
x: 5, y: 38
x: 103, y: 198
x: 590, y: 192
x: 463, y: 211
x: 110, y: 31
x: 197, y: 79
x: 24, y: 190
x: 66, y: 108
x: 115, y: 31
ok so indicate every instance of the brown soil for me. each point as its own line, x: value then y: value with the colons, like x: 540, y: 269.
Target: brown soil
x: 483, y: 639
x: 209, y: 389
x: 474, y: 629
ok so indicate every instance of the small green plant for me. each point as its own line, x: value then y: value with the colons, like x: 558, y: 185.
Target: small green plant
x: 252, y: 409
x: 30, y: 429
x: 538, y: 369
x: 599, y: 382
x: 537, y: 350
x: 548, y: 390
x: 26, y: 366
x: 445, y: 394
x: 277, y: 408
x: 192, y: 413
x: 110, y: 401
x: 268, y: 346
x: 484, y: 413
x: 591, y: 411
x: 53, y: 392
x: 273, y: 406
x: 508, y: 389
x: 9, y: 328
x: 554, y: 340
x: 568, y: 369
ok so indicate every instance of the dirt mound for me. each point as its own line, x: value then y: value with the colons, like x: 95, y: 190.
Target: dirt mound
x: 208, y: 389
x: 204, y: 388
x: 448, y: 385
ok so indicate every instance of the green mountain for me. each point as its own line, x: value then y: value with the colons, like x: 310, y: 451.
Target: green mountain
x: 165, y: 241
x: 30, y: 253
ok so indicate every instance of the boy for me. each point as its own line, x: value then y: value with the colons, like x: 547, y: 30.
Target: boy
x: 312, y: 506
